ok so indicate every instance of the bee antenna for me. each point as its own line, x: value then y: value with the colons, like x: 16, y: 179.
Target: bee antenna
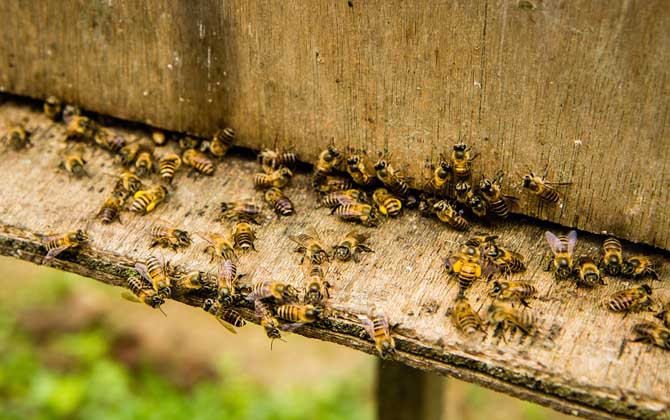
x: 163, y: 312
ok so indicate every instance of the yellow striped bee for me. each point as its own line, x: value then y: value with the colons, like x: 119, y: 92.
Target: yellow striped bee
x: 271, y: 159
x: 127, y: 185
x: 491, y: 191
x: 278, y: 178
x: 278, y: 291
x: 128, y: 153
x: 391, y: 178
x: 80, y: 128
x: 73, y: 162
x: 479, y: 206
x: 463, y: 192
x: 351, y: 246
x: 563, y: 247
x: 461, y: 160
x: 447, y: 214
x: 546, y: 191
x: 505, y: 317
x: 52, y: 107
x: 17, y: 137
x: 361, y: 170
x: 281, y: 204
x: 227, y: 317
x: 465, y: 318
x: 145, y: 201
x: 311, y: 247
x: 268, y: 321
x: 377, y: 326
x: 167, y: 165
x: 222, y: 141
x: 218, y: 246
x: 654, y: 334
x: 158, y: 137
x: 440, y: 178
x: 198, y: 161
x: 298, y: 314
x: 243, y: 236
x: 612, y: 259
x: 226, y: 281
x: 166, y: 236
x: 55, y: 244
x: 344, y: 197
x: 507, y: 261
x: 635, y: 299
x: 236, y: 210
x: 516, y: 290
x: 329, y: 159
x: 387, y: 203
x: 143, y: 292
x: 587, y: 272
x: 155, y: 271
x: 144, y: 163
x: 639, y: 266
x: 317, y: 286
x: 365, y: 214
x: 468, y: 266
x: 328, y: 184
x: 110, y: 210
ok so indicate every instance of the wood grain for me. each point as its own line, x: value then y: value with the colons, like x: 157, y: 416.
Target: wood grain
x: 578, y: 372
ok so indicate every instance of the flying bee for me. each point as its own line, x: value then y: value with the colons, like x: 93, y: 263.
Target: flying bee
x: 447, y: 214
x: 167, y: 165
x: 280, y: 292
x: 52, y: 107
x: 80, y: 128
x: 507, y: 261
x: 329, y: 159
x: 225, y: 282
x: 463, y: 192
x: 113, y: 143
x: 155, y: 271
x: 504, y: 316
x: 478, y: 206
x: 143, y: 292
x: 188, y: 142
x: 365, y: 214
x: 110, y: 210
x: 499, y: 204
x: 144, y: 163
x: 168, y: 237
x: 268, y: 321
x: 587, y: 272
x: 227, y: 317
x: 198, y: 161
x: 563, y: 248
x: 317, y: 286
x: 55, y: 244
x: 278, y: 178
x: 126, y: 185
x: 461, y: 160
x: 612, y: 259
x: 311, y: 247
x: 516, y: 290
x: 465, y: 318
x: 128, y: 153
x: 243, y: 236
x: 664, y: 315
x: 351, y: 246
x: 387, y: 203
x: 74, y: 163
x: 639, y: 266
x: 344, y: 197
x: 218, y: 246
x: 654, y: 334
x: 330, y: 184
x: 144, y: 201
x: 281, y: 204
x: 220, y: 142
x: 271, y: 160
x: 158, y: 137
x: 236, y: 210
x: 298, y: 314
x: 377, y: 326
x: 546, y: 191
x: 17, y: 137
x: 360, y: 169
x: 635, y: 299
x: 391, y: 178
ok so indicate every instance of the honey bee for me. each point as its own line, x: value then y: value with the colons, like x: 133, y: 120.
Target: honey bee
x: 198, y: 161
x: 612, y: 260
x: 128, y: 153
x: 351, y: 246
x: 188, y: 142
x: 447, y: 214
x: 17, y: 137
x: 587, y: 273
x: 236, y: 210
x: 167, y: 165
x: 478, y: 206
x: 194, y: 280
x: 441, y: 178
x: 298, y: 314
x: 168, y: 237
x: 225, y: 282
x: 463, y: 192
x: 492, y: 193
x: 360, y: 170
x: 425, y: 207
x: 126, y: 185
x: 220, y: 142
x: 504, y: 316
x: 328, y: 184
x: 113, y: 143
x: 143, y: 292
x: 563, y: 248
x: 73, y: 162
x: 278, y: 178
x: 468, y: 266
x: 344, y: 197
x: 391, y: 178
x: 465, y: 318
x: 635, y: 299
x: 109, y: 212
x: 268, y: 321
x: 243, y: 236
x: 154, y: 270
x: 517, y: 290
x: 317, y: 286
x: 387, y: 203
x: 144, y: 201
x: 311, y: 247
x: 218, y: 246
x: 377, y: 326
x: 654, y: 334
x: 365, y: 214
x: 271, y: 160
x: 227, y: 317
x: 273, y: 289
x: 639, y: 266
x: 53, y: 107
x: 329, y: 159
x: 461, y: 160
x: 481, y: 239
x: 158, y: 137
x: 144, y: 164
x: 507, y: 261
x: 546, y: 191
x: 281, y: 204
x: 664, y: 315
x: 55, y: 244
x: 80, y: 128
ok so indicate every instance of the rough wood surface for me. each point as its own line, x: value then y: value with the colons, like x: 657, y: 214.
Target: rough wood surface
x: 405, y: 393
x: 578, y: 372
x: 580, y: 86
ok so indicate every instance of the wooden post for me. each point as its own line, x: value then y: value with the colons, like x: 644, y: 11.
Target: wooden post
x: 405, y: 393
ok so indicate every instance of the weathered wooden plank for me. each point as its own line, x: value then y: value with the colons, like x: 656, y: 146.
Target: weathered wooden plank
x: 405, y: 393
x: 580, y: 86
x: 579, y: 371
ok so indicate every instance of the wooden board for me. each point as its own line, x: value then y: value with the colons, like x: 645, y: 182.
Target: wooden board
x: 578, y: 372
x: 580, y: 86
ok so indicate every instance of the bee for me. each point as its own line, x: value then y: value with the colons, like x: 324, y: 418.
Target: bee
x: 144, y: 201
x: 664, y: 315
x: 447, y: 214
x: 587, y: 273
x: 505, y: 316
x: 546, y: 191
x: 467, y: 266
x: 310, y: 247
x: 506, y: 260
x: 155, y: 271
x: 391, y: 178
x: 278, y: 178
x: 225, y: 282
x: 329, y: 159
x: 80, y: 128
x: 158, y: 137
x: 271, y: 159
x: 359, y: 212
x: 218, y: 246
x: 344, y: 197
x: 497, y: 202
x: 73, y: 162
x: 128, y: 153
x: 243, y: 236
x: 330, y: 184
x: 481, y: 239
x: 654, y: 334
x: 425, y: 207
x: 465, y: 318
x: 109, y: 212
x: 507, y: 290
x: 563, y: 248
x: 351, y: 246
x: 387, y: 203
x: 440, y: 178
x: 188, y: 142
x: 281, y: 204
x: 268, y: 321
x: 478, y: 206
x: 55, y: 244
x: 144, y: 164
x: 635, y: 299
x: 236, y: 210
x: 113, y: 143
x: 377, y: 326
x: 612, y: 259
x: 273, y: 289
x: 53, y: 107
x: 463, y: 192
x: 639, y: 266
x: 70, y: 111
x: 461, y: 160
x: 17, y: 137
x: 143, y: 292
x: 194, y: 280
x: 168, y: 165
x: 227, y: 317
x: 221, y: 141
x: 127, y: 185
x: 169, y: 237
x: 317, y: 286
x: 299, y: 314
x: 360, y: 171
x: 198, y: 161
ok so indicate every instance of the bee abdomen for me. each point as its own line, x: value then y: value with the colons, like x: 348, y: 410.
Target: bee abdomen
x: 393, y: 207
x: 612, y: 245
x: 168, y: 166
x: 549, y: 194
x: 619, y: 303
x: 140, y: 203
x: 289, y: 312
x: 284, y: 207
x: 108, y: 214
x: 468, y: 322
x: 232, y: 317
x: 244, y: 240
x: 500, y: 208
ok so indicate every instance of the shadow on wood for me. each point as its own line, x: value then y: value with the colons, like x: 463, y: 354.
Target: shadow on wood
x: 405, y: 393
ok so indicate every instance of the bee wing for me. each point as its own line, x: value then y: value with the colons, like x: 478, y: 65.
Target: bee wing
x: 572, y: 241
x: 555, y: 244
x: 367, y: 325
x: 130, y: 297
x: 55, y: 251
x: 226, y: 325
x: 144, y: 272
x: 291, y: 327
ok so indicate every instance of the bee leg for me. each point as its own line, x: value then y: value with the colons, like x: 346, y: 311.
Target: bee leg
x: 524, y: 302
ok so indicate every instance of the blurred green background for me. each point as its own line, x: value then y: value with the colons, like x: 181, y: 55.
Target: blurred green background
x: 71, y: 348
